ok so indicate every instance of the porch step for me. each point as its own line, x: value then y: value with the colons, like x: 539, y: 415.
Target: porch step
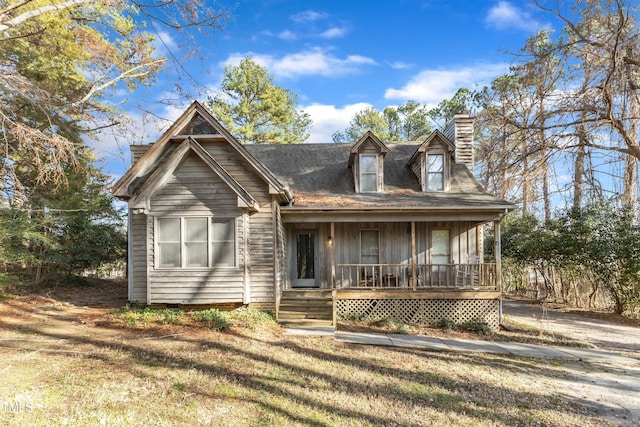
x: 319, y: 315
x: 305, y: 323
x: 305, y: 308
x: 306, y: 293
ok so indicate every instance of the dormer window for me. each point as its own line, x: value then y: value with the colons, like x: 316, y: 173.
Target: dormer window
x: 431, y: 163
x: 366, y: 157
x: 368, y: 173
x: 435, y: 172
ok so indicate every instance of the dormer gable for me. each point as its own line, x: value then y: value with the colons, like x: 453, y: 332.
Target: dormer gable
x: 431, y: 163
x: 366, y: 158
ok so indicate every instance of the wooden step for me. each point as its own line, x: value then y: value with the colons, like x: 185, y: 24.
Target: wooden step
x: 306, y: 303
x: 304, y: 315
x: 305, y: 323
x: 305, y: 293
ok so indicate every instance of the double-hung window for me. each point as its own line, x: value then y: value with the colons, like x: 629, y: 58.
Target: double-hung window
x: 369, y: 247
x: 195, y: 242
x: 435, y: 172
x: 368, y: 173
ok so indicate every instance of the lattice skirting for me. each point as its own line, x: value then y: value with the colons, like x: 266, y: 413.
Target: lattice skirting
x: 421, y: 310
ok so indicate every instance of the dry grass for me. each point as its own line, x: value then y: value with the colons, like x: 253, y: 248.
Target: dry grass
x: 70, y: 365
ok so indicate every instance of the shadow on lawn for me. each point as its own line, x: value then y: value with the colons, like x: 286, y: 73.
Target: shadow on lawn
x: 304, y: 384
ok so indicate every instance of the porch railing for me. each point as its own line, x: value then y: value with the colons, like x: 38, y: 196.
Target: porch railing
x: 472, y: 276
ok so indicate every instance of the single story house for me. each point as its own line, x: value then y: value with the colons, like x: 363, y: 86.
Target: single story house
x: 312, y: 231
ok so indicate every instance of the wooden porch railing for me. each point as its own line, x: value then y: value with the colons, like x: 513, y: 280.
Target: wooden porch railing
x: 473, y: 276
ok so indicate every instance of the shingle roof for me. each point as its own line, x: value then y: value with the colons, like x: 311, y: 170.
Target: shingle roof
x: 319, y: 176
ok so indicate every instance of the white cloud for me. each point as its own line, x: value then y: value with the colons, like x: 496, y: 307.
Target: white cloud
x: 308, y: 16
x: 504, y: 16
x: 399, y: 65
x: 287, y: 35
x: 328, y: 119
x: 163, y: 42
x: 432, y: 86
x: 333, y: 33
x: 311, y: 62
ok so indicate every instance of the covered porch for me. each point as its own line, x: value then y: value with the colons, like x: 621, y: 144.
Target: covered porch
x: 412, y: 270
x: 404, y: 256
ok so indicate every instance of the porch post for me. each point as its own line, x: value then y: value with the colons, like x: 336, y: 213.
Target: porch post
x: 497, y: 252
x: 332, y: 245
x: 413, y: 256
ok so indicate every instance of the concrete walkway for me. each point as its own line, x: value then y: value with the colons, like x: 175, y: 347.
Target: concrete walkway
x: 471, y: 346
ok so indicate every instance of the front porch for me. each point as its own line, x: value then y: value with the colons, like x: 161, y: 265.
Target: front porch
x: 411, y: 272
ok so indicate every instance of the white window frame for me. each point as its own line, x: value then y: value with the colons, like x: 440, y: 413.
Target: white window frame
x: 377, y: 173
x: 378, y: 235
x: 431, y: 248
x: 182, y: 241
x: 443, y: 173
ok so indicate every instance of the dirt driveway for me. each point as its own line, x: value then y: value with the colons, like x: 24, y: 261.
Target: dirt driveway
x: 603, y: 334
x: 616, y: 388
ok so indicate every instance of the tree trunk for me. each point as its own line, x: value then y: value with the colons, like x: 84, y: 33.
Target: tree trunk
x: 525, y: 179
x: 630, y: 180
x: 578, y: 169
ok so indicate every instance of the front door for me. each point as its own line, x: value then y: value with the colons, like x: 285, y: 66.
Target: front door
x: 306, y: 262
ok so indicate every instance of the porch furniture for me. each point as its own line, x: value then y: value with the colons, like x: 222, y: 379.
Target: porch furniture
x: 467, y: 275
x: 369, y: 276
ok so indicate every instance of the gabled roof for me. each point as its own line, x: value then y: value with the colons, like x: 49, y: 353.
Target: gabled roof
x: 150, y: 160
x: 368, y: 136
x: 436, y: 136
x: 161, y: 176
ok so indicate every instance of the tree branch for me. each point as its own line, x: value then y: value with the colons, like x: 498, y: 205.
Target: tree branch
x: 39, y: 11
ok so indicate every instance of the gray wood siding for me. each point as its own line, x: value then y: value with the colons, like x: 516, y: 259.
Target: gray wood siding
x: 395, y: 242
x: 418, y: 167
x: 138, y: 258
x: 281, y: 248
x: 262, y: 235
x: 196, y: 190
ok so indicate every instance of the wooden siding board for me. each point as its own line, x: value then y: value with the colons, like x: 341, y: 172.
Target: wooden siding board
x: 196, y: 190
x: 138, y: 281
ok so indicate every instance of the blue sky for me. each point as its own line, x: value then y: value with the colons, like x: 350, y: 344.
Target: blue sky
x: 342, y: 56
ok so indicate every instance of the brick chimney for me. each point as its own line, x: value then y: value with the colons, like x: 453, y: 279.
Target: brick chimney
x: 460, y: 132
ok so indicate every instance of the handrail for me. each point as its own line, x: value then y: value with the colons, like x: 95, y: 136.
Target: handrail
x: 469, y: 276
